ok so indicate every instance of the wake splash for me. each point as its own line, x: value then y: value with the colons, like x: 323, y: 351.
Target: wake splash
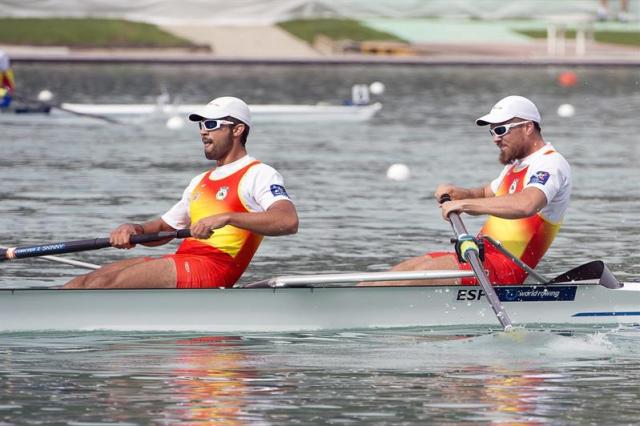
x: 420, y: 350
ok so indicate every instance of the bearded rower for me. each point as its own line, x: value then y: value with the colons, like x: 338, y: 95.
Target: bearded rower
x: 526, y: 203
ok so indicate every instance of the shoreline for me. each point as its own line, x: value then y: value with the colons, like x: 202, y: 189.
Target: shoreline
x: 186, y: 57
x: 442, y: 42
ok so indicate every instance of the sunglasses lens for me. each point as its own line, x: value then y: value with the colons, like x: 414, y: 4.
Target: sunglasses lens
x: 500, y: 130
x: 210, y: 124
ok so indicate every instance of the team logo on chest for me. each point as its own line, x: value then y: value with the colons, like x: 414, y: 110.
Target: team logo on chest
x: 222, y: 193
x: 513, y: 186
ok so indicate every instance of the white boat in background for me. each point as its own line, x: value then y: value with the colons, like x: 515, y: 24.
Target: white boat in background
x: 259, y: 113
x: 358, y: 109
x: 312, y: 302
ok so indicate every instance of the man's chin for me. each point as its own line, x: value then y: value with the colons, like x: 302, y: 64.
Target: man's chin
x: 504, y: 159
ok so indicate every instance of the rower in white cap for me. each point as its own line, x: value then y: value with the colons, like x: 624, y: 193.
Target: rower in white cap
x: 526, y: 203
x: 228, y: 210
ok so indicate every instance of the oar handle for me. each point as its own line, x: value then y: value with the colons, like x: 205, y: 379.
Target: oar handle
x: 157, y: 236
x: 471, y: 253
x: 456, y: 222
x: 85, y: 245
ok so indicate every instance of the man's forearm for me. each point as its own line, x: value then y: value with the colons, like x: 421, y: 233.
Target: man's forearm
x: 152, y: 226
x: 280, y: 219
x: 460, y: 193
x: 477, y: 193
x: 512, y: 206
x: 271, y: 223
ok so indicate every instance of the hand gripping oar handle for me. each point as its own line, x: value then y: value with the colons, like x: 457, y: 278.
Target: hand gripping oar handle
x: 84, y: 245
x: 471, y: 253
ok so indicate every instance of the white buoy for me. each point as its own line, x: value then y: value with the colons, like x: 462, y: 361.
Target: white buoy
x: 175, y: 123
x: 45, y: 95
x: 376, y: 88
x: 398, y: 172
x: 566, y: 110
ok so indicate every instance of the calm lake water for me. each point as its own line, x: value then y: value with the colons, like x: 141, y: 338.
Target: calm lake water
x: 68, y: 177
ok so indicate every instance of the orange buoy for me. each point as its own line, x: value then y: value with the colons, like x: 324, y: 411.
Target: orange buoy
x: 567, y: 79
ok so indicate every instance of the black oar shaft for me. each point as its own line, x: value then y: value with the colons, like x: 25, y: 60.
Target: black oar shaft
x: 84, y: 245
x: 70, y: 111
x: 472, y: 256
x: 86, y: 114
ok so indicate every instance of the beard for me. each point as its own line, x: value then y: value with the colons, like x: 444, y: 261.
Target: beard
x: 218, y: 149
x: 512, y: 153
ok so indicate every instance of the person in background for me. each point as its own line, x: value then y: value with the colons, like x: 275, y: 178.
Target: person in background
x: 228, y: 210
x: 623, y: 14
x: 526, y: 203
x: 7, y: 85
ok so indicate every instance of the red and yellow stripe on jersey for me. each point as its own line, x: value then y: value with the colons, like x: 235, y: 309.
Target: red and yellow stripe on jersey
x: 230, y: 247
x: 7, y: 81
x: 527, y: 238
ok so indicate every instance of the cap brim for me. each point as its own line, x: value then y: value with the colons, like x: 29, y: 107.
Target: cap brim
x: 207, y: 113
x: 493, y: 118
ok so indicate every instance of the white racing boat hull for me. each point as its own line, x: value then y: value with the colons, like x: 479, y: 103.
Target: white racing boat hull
x: 260, y: 113
x: 298, y: 309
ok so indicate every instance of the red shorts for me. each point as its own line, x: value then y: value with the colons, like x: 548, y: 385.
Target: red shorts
x: 196, y: 271
x: 201, y: 266
x: 501, y: 269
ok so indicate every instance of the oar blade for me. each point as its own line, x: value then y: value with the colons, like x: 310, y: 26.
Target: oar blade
x: 594, y: 270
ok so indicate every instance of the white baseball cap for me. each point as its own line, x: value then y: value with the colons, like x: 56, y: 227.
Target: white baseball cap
x: 508, y: 108
x: 225, y: 106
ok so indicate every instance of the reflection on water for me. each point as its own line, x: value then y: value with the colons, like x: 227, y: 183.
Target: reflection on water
x: 393, y: 376
x: 210, y: 383
x: 68, y: 178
